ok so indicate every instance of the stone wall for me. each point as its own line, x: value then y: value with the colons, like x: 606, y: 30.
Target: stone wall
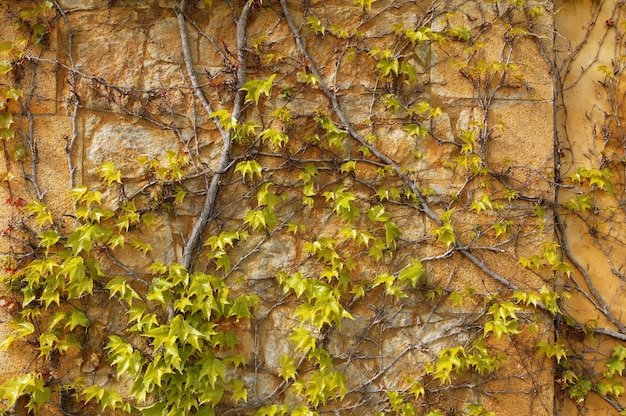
x: 112, y: 82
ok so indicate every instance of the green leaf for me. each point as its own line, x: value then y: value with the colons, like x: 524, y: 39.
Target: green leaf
x: 377, y: 214
x: 43, y: 215
x: 31, y: 384
x: 391, y: 232
x: 124, y: 356
x: 445, y: 234
x: 5, y: 66
x: 288, y: 367
x: 5, y: 120
x: 460, y: 33
x: 366, y: 4
x: 315, y: 24
x: 420, y: 35
x: 603, y: 388
x: 391, y: 102
x: 309, y: 79
x: 388, y: 64
x: 303, y: 411
x: 239, y: 392
x: 19, y: 152
x: 39, y: 394
x: 273, y: 410
x: 208, y: 410
x: 213, y: 370
x: 417, y: 130
x: 413, y: 273
x: 456, y: 298
x: 80, y: 240
x: 417, y: 389
x: 57, y: 318
x: 119, y: 287
x: 21, y: 329
x: 349, y: 166
x: 277, y: 138
x: 391, y: 287
x: 241, y: 306
x: 257, y: 220
x: 77, y: 318
x: 116, y: 241
x: 11, y: 93
x: 343, y: 203
x: 408, y: 71
x: 143, y: 246
x: 49, y: 238
x: 78, y: 283
x: 157, y: 409
x: 303, y: 341
x: 78, y: 192
x: 257, y: 88
x: 556, y: 349
x: 225, y: 119
x: 109, y: 174
x: 617, y: 362
x: 111, y: 399
x: 48, y: 342
x: 563, y: 268
x: 501, y: 227
x: 249, y: 167
x: 11, y: 390
x: 266, y: 197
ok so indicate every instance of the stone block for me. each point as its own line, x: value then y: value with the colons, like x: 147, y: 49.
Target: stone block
x: 111, y: 47
x: 164, y: 42
x: 52, y: 172
x: 524, y: 148
x: 122, y: 142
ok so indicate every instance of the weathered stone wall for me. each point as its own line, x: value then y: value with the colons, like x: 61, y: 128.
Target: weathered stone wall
x: 111, y: 84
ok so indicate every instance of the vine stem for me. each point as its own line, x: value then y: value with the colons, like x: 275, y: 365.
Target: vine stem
x: 74, y: 100
x: 193, y: 243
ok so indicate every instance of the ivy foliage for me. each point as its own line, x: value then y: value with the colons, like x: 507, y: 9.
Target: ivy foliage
x: 331, y: 261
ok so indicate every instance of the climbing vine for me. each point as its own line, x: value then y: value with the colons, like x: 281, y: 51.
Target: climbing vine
x: 300, y: 208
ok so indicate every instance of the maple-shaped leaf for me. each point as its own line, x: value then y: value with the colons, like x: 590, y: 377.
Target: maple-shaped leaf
x: 77, y: 318
x: 38, y: 208
x: 288, y: 367
x: 6, y: 120
x: 388, y: 64
x: 254, y: 89
x: 275, y: 137
x: 391, y: 232
x: 303, y: 340
x: 239, y: 392
x: 49, y: 238
x: 366, y: 4
x: 556, y: 349
x: 445, y: 234
x: 213, y: 370
x: 80, y: 240
x: 316, y: 24
x: 249, y: 167
x: 617, y: 362
x: 377, y: 214
x: 109, y: 174
x: 412, y: 273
